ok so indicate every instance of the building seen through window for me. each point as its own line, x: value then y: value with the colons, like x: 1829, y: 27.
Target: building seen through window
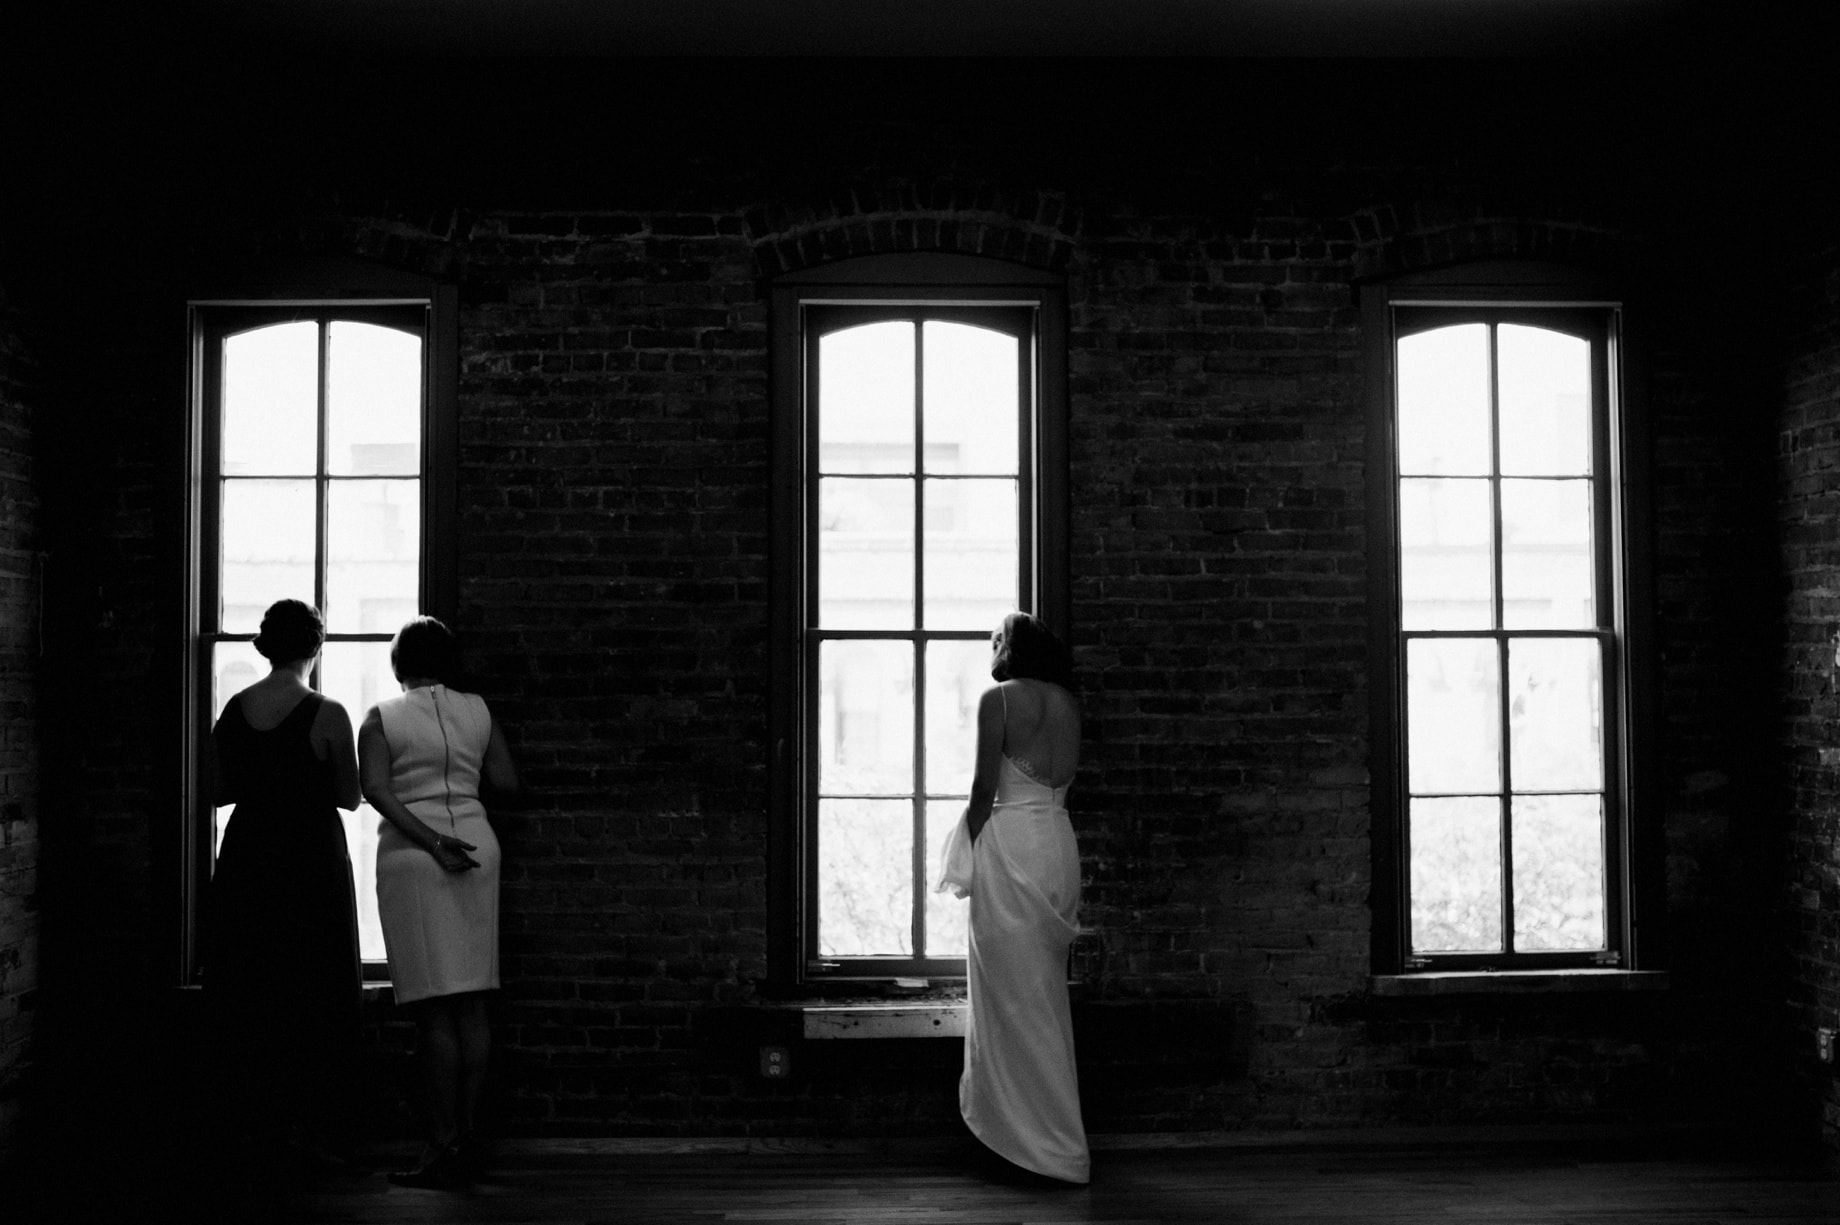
x: 917, y: 487
x: 1508, y: 636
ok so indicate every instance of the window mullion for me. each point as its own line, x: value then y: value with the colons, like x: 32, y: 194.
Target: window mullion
x: 321, y: 492
x: 920, y: 474
x: 917, y: 841
x: 1504, y: 645
x: 918, y: 865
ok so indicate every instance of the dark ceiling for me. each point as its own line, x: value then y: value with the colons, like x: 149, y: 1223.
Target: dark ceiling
x: 1227, y: 28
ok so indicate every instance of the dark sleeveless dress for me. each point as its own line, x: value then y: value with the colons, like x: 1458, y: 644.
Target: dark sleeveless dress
x: 280, y: 935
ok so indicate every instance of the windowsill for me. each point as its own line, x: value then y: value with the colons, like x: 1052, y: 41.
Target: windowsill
x: 1517, y: 982
x: 884, y: 1019
x: 370, y: 991
x: 936, y: 1013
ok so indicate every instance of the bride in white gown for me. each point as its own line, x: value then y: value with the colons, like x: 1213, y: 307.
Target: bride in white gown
x: 1013, y: 854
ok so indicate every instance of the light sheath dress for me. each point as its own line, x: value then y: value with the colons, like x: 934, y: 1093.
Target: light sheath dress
x: 440, y: 928
x: 1020, y: 1090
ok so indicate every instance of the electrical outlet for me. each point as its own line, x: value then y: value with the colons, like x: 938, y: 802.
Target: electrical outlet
x: 775, y: 1062
x: 1824, y: 1045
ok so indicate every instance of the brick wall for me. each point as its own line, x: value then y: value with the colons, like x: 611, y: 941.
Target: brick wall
x: 613, y: 559
x: 1809, y: 893
x: 20, y: 587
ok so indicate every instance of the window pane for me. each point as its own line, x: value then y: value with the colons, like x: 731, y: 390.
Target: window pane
x: 234, y: 667
x: 957, y: 673
x: 972, y: 399
x: 865, y: 878
x: 267, y: 542
x: 865, y: 718
x: 1456, y: 875
x: 1446, y: 549
x: 373, y: 401
x: 1453, y: 715
x: 1556, y: 716
x: 271, y: 401
x: 866, y: 399
x: 865, y: 554
x: 1444, y: 402
x: 373, y: 555
x: 357, y: 675
x: 1545, y: 402
x: 947, y: 916
x: 1548, y: 573
x: 971, y: 552
x: 1558, y: 872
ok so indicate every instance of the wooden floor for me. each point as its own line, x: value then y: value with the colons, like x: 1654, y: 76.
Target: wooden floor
x: 949, y: 1185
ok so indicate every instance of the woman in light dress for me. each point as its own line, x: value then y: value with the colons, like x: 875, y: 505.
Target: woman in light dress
x: 1013, y: 853
x: 422, y: 757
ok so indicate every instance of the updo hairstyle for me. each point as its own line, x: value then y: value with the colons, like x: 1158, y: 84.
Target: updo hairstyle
x: 424, y: 647
x: 291, y: 630
x: 1027, y: 649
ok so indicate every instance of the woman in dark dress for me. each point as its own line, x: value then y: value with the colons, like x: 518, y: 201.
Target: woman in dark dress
x: 280, y: 956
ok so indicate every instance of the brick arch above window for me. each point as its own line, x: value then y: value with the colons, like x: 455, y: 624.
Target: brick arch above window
x: 342, y: 248
x: 1395, y: 241
x: 1032, y: 228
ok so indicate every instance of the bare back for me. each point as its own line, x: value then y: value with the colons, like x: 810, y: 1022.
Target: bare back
x: 1041, y: 726
x: 267, y: 704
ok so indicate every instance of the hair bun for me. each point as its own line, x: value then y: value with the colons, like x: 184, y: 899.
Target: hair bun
x: 291, y: 630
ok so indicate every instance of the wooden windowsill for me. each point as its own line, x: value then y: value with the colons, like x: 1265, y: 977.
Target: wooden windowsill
x: 1517, y: 982
x: 885, y: 1019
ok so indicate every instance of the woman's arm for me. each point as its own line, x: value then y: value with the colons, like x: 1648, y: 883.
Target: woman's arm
x: 223, y: 791
x: 374, y: 775
x: 498, y: 770
x: 333, y: 727
x: 989, y: 760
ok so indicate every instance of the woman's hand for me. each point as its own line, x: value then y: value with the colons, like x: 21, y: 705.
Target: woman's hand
x: 374, y: 775
x: 451, y: 853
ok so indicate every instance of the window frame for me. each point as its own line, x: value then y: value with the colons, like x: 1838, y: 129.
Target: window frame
x: 1542, y: 296
x: 335, y: 290
x: 967, y: 286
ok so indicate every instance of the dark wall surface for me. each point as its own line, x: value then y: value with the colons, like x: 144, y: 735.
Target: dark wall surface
x: 1809, y: 898
x: 612, y: 227
x: 20, y: 610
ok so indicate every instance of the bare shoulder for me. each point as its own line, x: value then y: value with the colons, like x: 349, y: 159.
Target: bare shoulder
x: 332, y: 713
x: 331, y: 723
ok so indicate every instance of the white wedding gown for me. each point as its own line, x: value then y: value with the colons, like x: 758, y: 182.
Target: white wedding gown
x: 1020, y: 1091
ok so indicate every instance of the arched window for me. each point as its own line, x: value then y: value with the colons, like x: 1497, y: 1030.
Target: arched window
x: 1502, y: 572
x: 919, y: 412
x: 321, y: 469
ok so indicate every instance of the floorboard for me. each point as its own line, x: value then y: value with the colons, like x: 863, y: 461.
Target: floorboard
x: 951, y: 1185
